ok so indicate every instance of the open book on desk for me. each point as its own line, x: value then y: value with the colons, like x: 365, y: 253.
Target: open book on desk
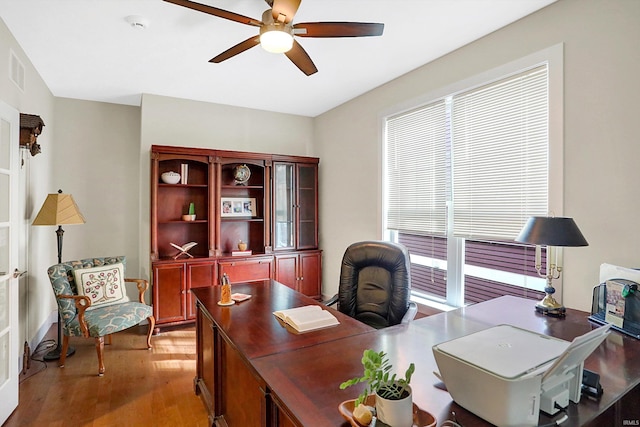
x: 307, y: 318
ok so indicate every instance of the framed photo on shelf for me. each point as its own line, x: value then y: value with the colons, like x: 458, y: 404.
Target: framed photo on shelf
x: 237, y: 207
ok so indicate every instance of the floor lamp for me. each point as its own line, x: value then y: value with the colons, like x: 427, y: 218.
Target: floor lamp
x: 59, y: 209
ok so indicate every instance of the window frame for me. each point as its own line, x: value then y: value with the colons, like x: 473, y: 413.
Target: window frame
x: 553, y: 57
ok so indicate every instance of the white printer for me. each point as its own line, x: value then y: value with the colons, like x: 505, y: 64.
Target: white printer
x: 506, y: 375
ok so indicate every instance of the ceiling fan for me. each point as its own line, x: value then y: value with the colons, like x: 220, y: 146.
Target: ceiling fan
x: 277, y: 31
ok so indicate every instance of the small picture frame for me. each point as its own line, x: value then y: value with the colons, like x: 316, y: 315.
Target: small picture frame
x: 237, y: 207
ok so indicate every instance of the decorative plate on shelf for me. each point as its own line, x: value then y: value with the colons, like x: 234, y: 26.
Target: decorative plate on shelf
x: 241, y: 174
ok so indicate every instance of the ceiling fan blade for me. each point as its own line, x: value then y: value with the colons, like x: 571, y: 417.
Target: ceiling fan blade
x: 338, y: 29
x: 301, y: 58
x: 239, y: 48
x: 286, y: 8
x: 217, y: 12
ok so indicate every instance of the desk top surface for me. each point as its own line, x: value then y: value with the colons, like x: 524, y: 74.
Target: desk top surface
x: 253, y: 328
x: 307, y: 380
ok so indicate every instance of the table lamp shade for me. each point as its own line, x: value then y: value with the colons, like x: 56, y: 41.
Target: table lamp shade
x: 59, y: 209
x: 551, y: 231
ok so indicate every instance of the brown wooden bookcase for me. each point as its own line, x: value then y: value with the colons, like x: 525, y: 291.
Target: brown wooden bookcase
x: 277, y: 219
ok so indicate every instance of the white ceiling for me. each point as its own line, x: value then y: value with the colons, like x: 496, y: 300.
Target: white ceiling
x: 85, y: 49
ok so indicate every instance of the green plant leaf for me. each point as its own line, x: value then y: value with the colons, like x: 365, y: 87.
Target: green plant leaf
x: 377, y: 374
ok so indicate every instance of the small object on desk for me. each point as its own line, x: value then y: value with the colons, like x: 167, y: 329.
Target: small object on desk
x: 591, y: 384
x: 307, y: 318
x: 602, y: 312
x: 184, y: 249
x: 240, y: 297
x: 225, y: 294
x: 363, y: 414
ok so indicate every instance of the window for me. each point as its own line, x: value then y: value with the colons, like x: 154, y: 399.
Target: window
x: 463, y: 172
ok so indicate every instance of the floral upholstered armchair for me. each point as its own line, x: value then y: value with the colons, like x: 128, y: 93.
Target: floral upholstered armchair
x: 93, y: 302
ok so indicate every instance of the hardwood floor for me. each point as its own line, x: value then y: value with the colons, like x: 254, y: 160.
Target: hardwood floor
x: 140, y: 387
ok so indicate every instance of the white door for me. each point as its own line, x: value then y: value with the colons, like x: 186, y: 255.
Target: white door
x: 9, y: 224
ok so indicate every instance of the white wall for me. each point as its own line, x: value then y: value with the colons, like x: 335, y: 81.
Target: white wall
x: 98, y: 165
x: 601, y: 131
x: 34, y: 99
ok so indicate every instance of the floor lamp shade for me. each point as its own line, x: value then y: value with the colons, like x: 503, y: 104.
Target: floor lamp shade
x: 59, y: 209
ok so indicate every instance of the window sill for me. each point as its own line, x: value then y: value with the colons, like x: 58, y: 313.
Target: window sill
x: 429, y: 307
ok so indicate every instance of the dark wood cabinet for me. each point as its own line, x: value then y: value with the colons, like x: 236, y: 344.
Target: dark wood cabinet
x: 301, y: 271
x: 169, y: 292
x: 237, y: 198
x: 173, y: 303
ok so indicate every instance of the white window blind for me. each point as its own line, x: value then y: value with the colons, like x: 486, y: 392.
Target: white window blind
x: 500, y: 156
x: 416, y: 162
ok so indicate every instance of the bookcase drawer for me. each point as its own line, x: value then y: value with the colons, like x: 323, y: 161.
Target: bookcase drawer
x: 246, y: 269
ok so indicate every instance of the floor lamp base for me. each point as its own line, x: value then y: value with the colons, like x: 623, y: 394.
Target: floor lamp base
x: 56, y: 352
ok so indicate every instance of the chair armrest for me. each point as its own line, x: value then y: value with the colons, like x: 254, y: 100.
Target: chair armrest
x: 331, y: 301
x: 82, y: 303
x: 411, y: 312
x: 142, y: 285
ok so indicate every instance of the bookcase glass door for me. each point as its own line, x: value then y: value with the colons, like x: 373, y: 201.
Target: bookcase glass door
x: 307, y: 233
x: 284, y: 205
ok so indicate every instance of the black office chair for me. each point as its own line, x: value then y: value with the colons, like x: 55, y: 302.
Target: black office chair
x: 375, y: 284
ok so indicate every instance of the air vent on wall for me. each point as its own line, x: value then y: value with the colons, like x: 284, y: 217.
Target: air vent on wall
x: 16, y: 71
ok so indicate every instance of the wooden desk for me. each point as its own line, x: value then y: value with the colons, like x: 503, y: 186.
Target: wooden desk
x: 305, y: 383
x: 300, y: 386
x: 230, y: 338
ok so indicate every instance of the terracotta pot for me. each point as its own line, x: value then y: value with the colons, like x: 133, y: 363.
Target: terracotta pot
x: 188, y: 217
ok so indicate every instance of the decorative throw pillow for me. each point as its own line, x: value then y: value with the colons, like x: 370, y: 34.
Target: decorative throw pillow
x: 104, y: 285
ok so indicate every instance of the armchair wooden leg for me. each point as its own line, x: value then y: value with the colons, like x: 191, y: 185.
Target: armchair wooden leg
x: 63, y: 352
x: 108, y: 342
x: 152, y: 324
x: 100, y: 350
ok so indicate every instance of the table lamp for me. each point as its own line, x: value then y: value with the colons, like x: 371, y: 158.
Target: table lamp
x: 59, y: 209
x: 551, y: 232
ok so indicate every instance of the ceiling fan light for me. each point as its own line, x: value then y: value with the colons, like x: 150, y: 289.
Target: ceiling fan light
x: 275, y: 40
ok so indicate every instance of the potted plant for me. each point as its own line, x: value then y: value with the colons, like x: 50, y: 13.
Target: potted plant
x: 191, y: 216
x: 393, y: 402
